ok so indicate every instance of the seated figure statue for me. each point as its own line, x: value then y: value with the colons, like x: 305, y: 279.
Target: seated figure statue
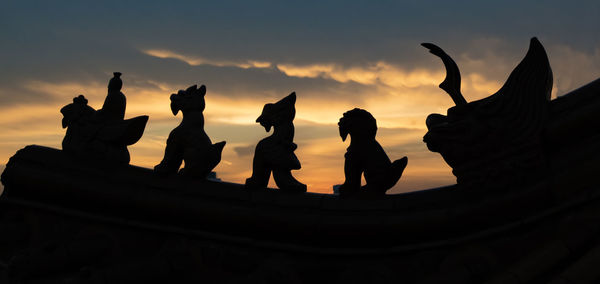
x: 276, y: 152
x: 102, y: 135
x: 365, y: 155
x: 188, y: 142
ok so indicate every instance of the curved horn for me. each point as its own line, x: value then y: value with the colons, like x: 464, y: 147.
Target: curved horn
x: 451, y: 83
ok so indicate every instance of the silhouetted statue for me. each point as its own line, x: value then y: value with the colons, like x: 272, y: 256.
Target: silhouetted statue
x: 276, y: 152
x: 365, y: 155
x: 499, y: 137
x: 188, y: 142
x: 101, y: 135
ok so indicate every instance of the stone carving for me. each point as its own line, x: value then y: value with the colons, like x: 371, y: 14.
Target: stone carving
x: 276, y: 152
x: 497, y: 138
x: 101, y: 135
x: 188, y: 142
x: 365, y: 155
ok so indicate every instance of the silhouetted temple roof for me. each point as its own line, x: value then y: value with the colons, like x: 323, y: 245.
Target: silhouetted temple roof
x: 107, y: 217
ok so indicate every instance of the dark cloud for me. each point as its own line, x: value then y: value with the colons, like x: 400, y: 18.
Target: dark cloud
x: 350, y: 32
x: 84, y: 42
x: 243, y: 151
x: 94, y: 65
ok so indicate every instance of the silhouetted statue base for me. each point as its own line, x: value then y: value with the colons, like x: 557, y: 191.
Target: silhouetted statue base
x: 189, y: 142
x: 365, y: 155
x: 276, y: 153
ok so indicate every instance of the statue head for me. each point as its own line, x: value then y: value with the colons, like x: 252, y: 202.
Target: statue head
x: 359, y: 123
x: 282, y: 111
x: 115, y: 84
x: 74, y: 112
x: 190, y: 99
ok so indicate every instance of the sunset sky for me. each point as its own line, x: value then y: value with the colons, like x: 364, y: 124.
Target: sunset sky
x: 336, y: 55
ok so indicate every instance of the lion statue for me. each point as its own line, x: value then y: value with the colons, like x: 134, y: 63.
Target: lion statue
x: 276, y: 152
x: 188, y: 142
x: 365, y: 155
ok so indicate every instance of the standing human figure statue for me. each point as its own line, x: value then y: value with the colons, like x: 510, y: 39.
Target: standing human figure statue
x: 276, y: 153
x: 115, y: 102
x: 365, y: 155
x: 189, y: 142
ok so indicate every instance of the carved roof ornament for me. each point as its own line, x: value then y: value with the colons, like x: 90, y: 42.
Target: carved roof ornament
x: 366, y: 156
x: 276, y: 153
x: 490, y: 139
x: 189, y: 142
x: 103, y: 135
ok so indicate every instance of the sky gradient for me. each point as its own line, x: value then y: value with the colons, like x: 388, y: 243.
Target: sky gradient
x: 336, y: 55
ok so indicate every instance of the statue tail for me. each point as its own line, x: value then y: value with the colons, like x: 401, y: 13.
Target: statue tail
x: 215, y: 154
x: 396, y: 170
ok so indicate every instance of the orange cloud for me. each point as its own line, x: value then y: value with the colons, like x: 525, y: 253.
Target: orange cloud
x: 195, y: 60
x: 573, y: 68
x: 371, y: 74
x: 374, y: 73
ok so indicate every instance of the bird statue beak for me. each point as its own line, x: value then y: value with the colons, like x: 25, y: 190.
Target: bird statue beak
x: 263, y: 123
